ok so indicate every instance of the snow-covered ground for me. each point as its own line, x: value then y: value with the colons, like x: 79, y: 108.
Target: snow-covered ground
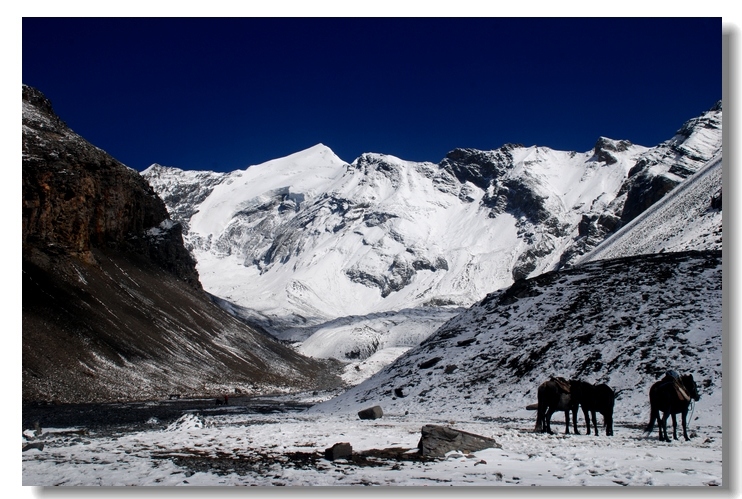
x: 287, y: 449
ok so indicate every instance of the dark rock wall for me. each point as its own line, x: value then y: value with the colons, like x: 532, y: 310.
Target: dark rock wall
x: 76, y: 197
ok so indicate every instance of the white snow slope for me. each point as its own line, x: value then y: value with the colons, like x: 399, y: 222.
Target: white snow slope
x: 310, y: 238
x: 307, y: 239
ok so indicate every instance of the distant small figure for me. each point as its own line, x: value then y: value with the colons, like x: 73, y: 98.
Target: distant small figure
x: 226, y: 399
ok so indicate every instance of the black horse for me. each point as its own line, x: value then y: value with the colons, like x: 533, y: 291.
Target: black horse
x: 593, y: 398
x: 665, y: 397
x: 553, y: 396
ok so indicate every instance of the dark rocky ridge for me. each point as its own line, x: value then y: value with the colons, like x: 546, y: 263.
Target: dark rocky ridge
x: 112, y: 305
x: 684, y: 158
x: 77, y: 197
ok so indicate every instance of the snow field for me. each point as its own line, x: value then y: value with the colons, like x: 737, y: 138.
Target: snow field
x: 274, y: 444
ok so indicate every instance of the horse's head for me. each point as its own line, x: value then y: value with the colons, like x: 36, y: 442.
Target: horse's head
x: 690, y: 386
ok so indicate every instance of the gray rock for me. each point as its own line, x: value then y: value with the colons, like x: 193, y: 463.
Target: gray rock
x: 341, y: 450
x: 33, y: 445
x: 437, y: 440
x: 374, y: 412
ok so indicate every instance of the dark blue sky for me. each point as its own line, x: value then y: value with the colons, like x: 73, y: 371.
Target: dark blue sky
x: 223, y: 94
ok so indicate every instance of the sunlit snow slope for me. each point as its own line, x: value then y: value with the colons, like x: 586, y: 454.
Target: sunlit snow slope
x: 308, y: 238
x: 688, y: 218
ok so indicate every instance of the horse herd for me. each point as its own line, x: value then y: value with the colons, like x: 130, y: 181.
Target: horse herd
x: 670, y: 396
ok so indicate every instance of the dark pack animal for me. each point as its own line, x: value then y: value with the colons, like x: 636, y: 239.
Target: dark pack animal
x: 553, y: 395
x: 670, y: 397
x: 593, y: 399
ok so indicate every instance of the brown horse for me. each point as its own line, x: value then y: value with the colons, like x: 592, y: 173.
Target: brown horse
x: 553, y: 396
x: 593, y: 398
x: 665, y: 397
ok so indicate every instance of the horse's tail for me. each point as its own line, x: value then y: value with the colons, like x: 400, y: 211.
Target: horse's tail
x: 654, y: 415
x: 650, y: 426
x: 540, y: 410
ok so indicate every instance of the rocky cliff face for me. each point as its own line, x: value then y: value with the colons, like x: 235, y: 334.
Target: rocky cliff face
x: 112, y: 304
x: 76, y: 198
x: 653, y: 175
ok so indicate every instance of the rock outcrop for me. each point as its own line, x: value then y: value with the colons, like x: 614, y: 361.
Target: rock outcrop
x: 76, y: 197
x: 437, y: 440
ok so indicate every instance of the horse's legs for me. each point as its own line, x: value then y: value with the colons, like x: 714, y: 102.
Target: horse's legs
x: 574, y: 418
x: 547, y: 420
x: 587, y: 420
x: 674, y: 427
x: 663, y: 427
x: 595, y: 422
x: 608, y: 418
x: 685, y: 431
x: 566, y: 421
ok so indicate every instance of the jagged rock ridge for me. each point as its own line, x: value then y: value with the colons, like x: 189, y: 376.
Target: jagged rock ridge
x: 655, y: 174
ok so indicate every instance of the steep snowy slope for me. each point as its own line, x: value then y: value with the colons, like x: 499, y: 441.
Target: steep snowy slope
x: 687, y: 218
x: 622, y: 322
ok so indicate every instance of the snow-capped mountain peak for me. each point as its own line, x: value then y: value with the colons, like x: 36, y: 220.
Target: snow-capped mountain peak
x: 309, y: 244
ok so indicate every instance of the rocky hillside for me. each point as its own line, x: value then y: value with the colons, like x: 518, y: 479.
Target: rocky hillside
x: 112, y: 304
x: 623, y: 322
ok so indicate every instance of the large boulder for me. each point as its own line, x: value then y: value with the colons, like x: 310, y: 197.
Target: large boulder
x: 374, y: 412
x: 341, y: 450
x: 438, y: 440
